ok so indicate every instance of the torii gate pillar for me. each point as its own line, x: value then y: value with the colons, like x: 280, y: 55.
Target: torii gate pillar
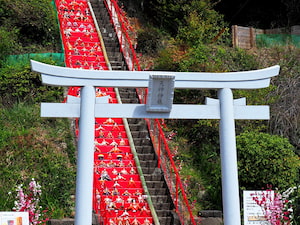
x: 85, y: 159
x: 226, y: 109
x: 230, y: 186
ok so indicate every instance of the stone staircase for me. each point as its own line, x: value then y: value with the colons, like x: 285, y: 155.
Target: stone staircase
x: 109, y: 35
x: 156, y: 184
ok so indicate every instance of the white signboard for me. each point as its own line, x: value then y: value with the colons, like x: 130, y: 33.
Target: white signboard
x: 160, y: 93
x: 253, y: 213
x: 14, y: 218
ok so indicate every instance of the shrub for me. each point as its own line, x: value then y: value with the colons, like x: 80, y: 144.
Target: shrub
x: 265, y: 159
x: 149, y: 40
x: 204, y: 58
x: 35, y: 19
x: 202, y: 25
x: 8, y: 42
x: 18, y: 83
x: 214, y: 58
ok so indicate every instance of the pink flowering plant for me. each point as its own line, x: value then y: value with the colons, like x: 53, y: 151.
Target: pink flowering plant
x: 278, y: 207
x: 27, y: 200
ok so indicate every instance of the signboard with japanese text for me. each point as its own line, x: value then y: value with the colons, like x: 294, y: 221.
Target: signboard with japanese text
x: 14, y: 218
x: 160, y: 94
x: 253, y: 213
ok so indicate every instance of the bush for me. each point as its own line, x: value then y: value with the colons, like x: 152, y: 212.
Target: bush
x: 8, y: 42
x: 285, y: 111
x: 202, y: 25
x: 214, y: 58
x: 149, y: 41
x: 19, y: 83
x: 204, y: 58
x: 198, y: 153
x: 265, y: 159
x: 35, y: 19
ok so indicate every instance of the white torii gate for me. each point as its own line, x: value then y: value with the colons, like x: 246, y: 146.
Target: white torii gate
x: 159, y: 106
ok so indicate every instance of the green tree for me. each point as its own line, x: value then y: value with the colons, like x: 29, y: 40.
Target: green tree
x: 166, y: 14
x: 265, y: 159
x: 201, y: 23
x: 35, y: 20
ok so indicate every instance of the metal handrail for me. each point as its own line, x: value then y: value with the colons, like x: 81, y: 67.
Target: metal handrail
x: 122, y: 34
x: 166, y: 162
x: 112, y: 5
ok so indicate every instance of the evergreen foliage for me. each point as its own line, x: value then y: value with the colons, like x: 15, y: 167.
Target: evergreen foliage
x: 8, y: 42
x: 266, y: 159
x: 31, y: 24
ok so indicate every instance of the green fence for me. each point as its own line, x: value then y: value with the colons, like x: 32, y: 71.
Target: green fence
x: 59, y: 58
x: 269, y: 40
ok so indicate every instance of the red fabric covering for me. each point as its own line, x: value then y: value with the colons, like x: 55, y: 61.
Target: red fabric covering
x: 118, y: 193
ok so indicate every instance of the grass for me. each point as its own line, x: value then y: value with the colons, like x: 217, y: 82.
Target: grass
x: 40, y: 148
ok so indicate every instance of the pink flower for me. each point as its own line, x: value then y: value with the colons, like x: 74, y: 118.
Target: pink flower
x: 29, y: 202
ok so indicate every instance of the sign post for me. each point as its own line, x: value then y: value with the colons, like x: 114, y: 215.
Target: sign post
x: 159, y: 106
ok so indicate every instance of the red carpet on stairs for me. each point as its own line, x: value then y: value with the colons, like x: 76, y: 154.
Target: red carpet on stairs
x: 118, y: 194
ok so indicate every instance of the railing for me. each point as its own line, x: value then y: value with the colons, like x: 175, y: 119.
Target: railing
x: 165, y: 159
x: 121, y: 26
x: 167, y: 164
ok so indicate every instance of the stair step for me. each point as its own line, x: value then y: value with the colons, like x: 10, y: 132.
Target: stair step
x: 155, y: 184
x: 147, y: 170
x: 141, y: 137
x: 128, y: 95
x: 130, y: 100
x: 151, y: 163
x: 144, y: 149
x: 141, y: 141
x: 145, y: 157
x: 157, y: 191
x: 153, y: 177
x: 165, y: 220
x: 161, y: 205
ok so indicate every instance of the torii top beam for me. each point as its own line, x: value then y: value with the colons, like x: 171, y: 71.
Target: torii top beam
x: 63, y: 76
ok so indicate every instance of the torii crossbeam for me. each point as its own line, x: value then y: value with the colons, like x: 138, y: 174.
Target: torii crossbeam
x: 87, y: 108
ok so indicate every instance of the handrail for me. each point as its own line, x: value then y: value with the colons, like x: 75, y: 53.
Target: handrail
x: 133, y: 65
x: 138, y: 165
x: 100, y: 36
x: 166, y: 162
x: 122, y: 34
